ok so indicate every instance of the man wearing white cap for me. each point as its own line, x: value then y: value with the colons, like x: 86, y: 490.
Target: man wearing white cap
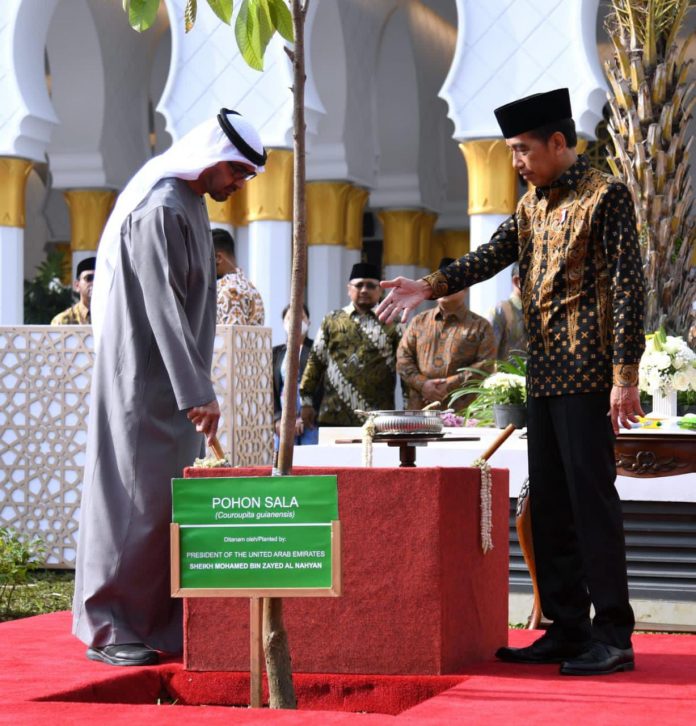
x: 153, y: 316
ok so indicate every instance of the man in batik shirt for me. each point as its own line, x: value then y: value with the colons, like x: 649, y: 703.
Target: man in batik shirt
x: 238, y: 301
x: 355, y: 356
x: 574, y: 236
x: 79, y: 313
x: 507, y: 319
x: 437, y: 343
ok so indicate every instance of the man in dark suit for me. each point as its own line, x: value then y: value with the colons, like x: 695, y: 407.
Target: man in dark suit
x: 302, y: 435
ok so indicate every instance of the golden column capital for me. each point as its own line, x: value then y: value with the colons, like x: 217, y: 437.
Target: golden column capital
x: 492, y: 180
x: 13, y: 181
x: 89, y: 210
x: 425, y: 238
x: 357, y: 198
x: 401, y: 228
x: 454, y: 242
x: 582, y: 145
x: 327, y: 203
x: 232, y: 211
x: 269, y: 195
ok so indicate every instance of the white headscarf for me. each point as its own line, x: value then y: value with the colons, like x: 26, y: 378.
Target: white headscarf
x: 202, y: 147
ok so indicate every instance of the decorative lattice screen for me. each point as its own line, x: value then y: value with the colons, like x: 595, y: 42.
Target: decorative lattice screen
x: 45, y: 377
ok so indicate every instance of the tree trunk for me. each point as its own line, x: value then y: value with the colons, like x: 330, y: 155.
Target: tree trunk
x: 277, y: 652
x: 276, y: 646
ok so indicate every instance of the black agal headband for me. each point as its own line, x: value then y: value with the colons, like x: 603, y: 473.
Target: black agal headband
x: 235, y: 138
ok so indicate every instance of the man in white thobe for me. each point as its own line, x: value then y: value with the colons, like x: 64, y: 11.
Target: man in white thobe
x: 153, y: 312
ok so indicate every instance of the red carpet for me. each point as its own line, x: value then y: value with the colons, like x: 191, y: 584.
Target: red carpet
x: 45, y: 677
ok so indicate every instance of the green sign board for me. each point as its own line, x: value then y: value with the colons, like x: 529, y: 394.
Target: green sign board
x: 243, y: 534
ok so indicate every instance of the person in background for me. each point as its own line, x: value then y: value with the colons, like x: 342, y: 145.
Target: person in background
x: 507, y: 319
x: 302, y: 436
x: 238, y: 301
x: 79, y: 313
x: 354, y: 355
x: 437, y: 343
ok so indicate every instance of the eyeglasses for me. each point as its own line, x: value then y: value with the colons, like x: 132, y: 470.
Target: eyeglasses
x: 364, y: 285
x: 89, y: 277
x: 241, y: 172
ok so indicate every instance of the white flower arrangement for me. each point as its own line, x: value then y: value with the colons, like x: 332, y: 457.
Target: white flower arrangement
x: 506, y: 388
x: 667, y: 363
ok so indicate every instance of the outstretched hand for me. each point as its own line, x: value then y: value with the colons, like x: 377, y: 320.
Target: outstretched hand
x: 405, y: 296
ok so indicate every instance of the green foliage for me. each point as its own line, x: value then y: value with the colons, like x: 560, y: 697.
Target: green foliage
x: 256, y: 24
x: 481, y: 408
x: 45, y: 296
x: 17, y: 560
x: 141, y: 13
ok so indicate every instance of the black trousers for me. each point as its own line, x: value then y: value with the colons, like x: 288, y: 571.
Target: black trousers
x: 577, y: 524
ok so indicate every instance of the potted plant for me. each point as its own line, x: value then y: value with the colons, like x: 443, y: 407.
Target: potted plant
x: 667, y: 367
x: 500, y: 397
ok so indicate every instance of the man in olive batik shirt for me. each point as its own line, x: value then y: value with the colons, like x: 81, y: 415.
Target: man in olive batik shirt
x: 574, y: 236
x: 79, y: 313
x: 355, y: 356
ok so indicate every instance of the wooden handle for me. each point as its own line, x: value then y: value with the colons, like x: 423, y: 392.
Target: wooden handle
x: 216, y: 448
x: 498, y: 442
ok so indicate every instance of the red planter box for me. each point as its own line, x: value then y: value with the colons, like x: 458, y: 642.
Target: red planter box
x: 419, y: 595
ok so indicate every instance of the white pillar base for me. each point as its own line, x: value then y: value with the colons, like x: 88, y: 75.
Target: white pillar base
x: 326, y: 288
x: 486, y: 295
x: 269, y: 268
x: 11, y: 275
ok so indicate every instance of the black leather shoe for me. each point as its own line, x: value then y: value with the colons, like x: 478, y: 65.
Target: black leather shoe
x: 126, y: 654
x: 545, y: 650
x: 599, y: 660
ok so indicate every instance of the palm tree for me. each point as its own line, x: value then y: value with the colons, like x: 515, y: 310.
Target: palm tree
x: 651, y: 101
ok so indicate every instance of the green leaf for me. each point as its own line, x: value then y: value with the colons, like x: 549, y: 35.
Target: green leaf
x: 223, y: 9
x: 265, y: 23
x: 282, y: 19
x: 142, y: 13
x: 190, y: 13
x: 247, y: 32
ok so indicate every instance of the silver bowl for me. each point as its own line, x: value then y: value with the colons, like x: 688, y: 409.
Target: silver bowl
x: 405, y: 422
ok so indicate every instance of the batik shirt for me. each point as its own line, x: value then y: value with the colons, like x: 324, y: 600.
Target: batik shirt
x: 355, y: 355
x: 507, y: 319
x: 582, y: 281
x: 238, y: 301
x: 437, y: 346
x: 78, y: 314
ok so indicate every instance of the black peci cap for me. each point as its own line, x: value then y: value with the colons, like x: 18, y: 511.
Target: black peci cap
x: 532, y: 112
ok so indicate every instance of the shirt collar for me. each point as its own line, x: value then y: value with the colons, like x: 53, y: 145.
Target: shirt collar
x: 351, y: 310
x: 569, y: 179
x: 460, y: 314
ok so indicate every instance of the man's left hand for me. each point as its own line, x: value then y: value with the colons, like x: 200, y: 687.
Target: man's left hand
x: 624, y: 407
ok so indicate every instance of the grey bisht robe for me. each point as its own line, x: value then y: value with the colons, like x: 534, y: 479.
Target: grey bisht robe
x: 153, y: 363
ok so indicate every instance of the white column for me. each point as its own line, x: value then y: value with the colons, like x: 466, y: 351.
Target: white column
x: 486, y: 295
x: 270, y: 265
x: 241, y: 246
x: 11, y: 275
x: 326, y: 290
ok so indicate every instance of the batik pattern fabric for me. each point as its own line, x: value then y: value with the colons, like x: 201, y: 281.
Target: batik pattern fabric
x: 507, y: 319
x: 355, y: 357
x: 238, y: 301
x: 436, y: 345
x: 78, y: 314
x: 582, y: 281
